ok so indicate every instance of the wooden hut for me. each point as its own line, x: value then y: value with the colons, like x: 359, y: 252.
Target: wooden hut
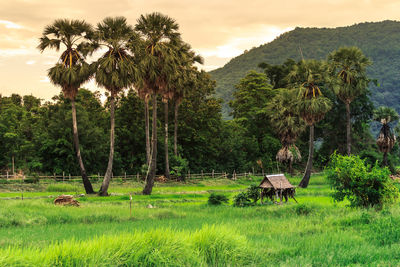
x: 276, y: 186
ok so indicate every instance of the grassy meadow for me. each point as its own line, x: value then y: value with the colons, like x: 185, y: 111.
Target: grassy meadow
x: 183, y: 230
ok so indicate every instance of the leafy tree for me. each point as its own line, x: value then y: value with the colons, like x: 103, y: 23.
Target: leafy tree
x: 349, y: 79
x: 248, y: 109
x: 386, y: 139
x: 277, y: 74
x: 115, y: 71
x: 71, y: 71
x: 362, y: 185
x: 157, y: 66
x: 307, y: 75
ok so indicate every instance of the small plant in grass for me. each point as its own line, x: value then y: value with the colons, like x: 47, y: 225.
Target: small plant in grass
x: 217, y: 199
x: 242, y: 200
x: 303, y: 209
x: 362, y: 185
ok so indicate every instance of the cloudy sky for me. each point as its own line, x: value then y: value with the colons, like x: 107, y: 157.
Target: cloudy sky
x: 217, y: 29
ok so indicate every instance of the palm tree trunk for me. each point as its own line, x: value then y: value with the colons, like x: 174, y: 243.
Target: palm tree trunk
x: 385, y: 159
x: 166, y: 139
x: 152, y: 173
x: 85, y: 179
x: 306, y: 177
x: 107, y: 176
x: 348, y: 128
x: 176, y: 129
x: 147, y: 129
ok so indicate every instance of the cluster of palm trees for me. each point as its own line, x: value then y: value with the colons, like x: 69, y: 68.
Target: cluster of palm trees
x: 150, y: 57
x: 344, y: 72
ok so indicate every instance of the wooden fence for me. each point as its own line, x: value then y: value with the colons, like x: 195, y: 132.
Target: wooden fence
x: 48, y: 179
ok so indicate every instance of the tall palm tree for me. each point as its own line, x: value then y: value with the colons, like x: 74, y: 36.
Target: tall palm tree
x: 115, y: 71
x: 71, y: 71
x: 184, y: 81
x: 287, y: 124
x: 312, y: 105
x: 348, y: 78
x: 157, y: 67
x: 386, y: 139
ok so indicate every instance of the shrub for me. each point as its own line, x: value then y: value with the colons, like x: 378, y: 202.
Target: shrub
x: 253, y: 192
x: 241, y: 200
x: 217, y: 199
x: 362, y: 185
x: 303, y: 209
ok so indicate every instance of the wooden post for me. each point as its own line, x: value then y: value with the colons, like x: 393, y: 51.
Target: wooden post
x: 54, y: 175
x: 69, y: 177
x: 98, y: 176
x: 201, y: 174
x: 125, y: 176
x: 253, y: 170
x: 189, y: 174
x: 13, y: 166
x: 63, y: 176
x: 7, y: 176
x: 137, y: 177
x: 130, y: 204
x: 280, y: 197
x: 212, y: 173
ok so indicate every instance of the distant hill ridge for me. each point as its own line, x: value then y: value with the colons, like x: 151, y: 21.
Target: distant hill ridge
x: 380, y: 41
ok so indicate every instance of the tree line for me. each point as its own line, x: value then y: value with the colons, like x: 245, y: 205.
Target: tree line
x: 147, y: 68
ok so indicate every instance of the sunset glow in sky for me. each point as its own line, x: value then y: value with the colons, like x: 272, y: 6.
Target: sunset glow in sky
x: 216, y: 29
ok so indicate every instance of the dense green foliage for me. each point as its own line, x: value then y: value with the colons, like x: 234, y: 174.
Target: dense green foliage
x: 378, y: 41
x: 217, y: 199
x: 361, y: 184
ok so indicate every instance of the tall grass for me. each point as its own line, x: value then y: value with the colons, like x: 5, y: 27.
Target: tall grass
x: 211, y: 246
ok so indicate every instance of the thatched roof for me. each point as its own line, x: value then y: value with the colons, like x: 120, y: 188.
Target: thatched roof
x: 276, y: 181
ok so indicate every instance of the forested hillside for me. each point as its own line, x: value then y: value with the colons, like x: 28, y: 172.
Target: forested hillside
x: 380, y: 41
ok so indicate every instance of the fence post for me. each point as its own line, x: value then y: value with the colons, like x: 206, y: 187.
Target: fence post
x: 137, y: 177
x: 201, y: 174
x: 63, y: 176
x: 212, y: 173
x: 189, y: 174
x: 69, y: 177
x: 253, y: 171
x: 125, y: 176
x: 234, y: 175
x: 54, y: 175
x: 7, y: 176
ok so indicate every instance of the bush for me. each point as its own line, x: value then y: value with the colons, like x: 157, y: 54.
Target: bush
x: 253, y: 192
x: 303, y: 209
x: 362, y: 185
x: 217, y: 199
x: 241, y: 200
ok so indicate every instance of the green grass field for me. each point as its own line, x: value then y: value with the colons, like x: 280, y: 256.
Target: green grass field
x: 183, y: 230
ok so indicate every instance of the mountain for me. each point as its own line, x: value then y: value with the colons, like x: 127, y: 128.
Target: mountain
x: 380, y: 41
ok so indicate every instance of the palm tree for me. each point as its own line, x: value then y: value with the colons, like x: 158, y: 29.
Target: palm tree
x: 312, y: 105
x: 157, y: 67
x: 71, y: 71
x: 115, y: 71
x: 287, y: 124
x: 348, y: 78
x: 184, y: 81
x: 386, y: 138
